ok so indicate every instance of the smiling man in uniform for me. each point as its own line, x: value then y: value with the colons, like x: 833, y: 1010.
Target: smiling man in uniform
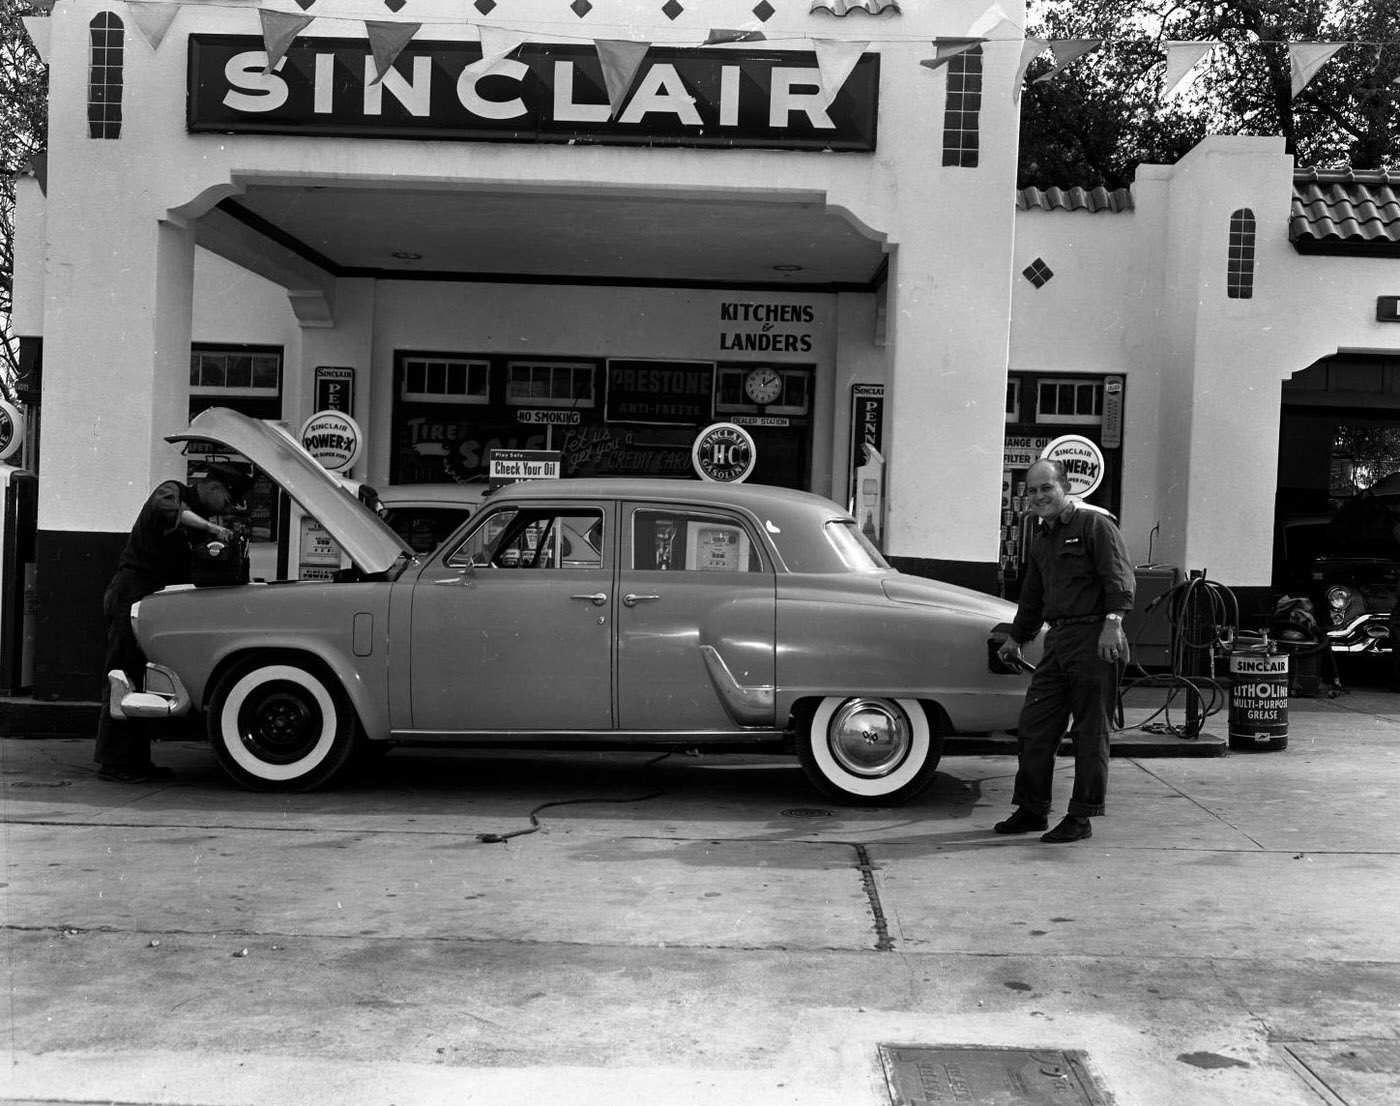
x: 1078, y: 580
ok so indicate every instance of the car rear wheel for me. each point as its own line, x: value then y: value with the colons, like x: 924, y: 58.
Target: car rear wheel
x: 280, y: 725
x: 870, y: 752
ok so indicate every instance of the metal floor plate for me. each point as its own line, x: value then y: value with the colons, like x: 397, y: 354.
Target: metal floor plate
x: 922, y: 1075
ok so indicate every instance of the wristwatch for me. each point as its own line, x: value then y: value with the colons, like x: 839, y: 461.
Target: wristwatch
x: 1113, y: 616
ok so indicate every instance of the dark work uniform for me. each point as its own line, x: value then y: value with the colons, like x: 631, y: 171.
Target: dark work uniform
x: 1078, y: 572
x: 157, y: 554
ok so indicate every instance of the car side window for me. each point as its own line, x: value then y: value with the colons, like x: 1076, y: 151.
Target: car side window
x: 691, y: 541
x: 537, y: 537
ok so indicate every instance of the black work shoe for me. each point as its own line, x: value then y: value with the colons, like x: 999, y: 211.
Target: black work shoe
x: 1069, y: 829
x: 1023, y: 821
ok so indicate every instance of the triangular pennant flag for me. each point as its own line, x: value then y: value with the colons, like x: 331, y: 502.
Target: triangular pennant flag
x: 387, y: 38
x: 1030, y: 50
x: 718, y: 36
x: 496, y: 43
x: 1181, y: 64
x: 279, y: 29
x: 1306, y: 58
x: 1067, y: 51
x: 991, y: 20
x: 946, y: 49
x: 836, y: 59
x: 620, y: 59
x: 152, y: 20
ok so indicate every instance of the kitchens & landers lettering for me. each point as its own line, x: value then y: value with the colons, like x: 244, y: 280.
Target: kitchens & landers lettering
x: 766, y: 315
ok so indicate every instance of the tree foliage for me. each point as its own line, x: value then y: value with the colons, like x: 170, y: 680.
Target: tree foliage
x: 1094, y: 123
x: 23, y: 132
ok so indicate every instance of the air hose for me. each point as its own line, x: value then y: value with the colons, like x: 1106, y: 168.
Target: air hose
x: 1203, y: 615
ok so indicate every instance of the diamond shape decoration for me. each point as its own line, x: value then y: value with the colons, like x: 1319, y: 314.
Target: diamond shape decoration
x: 1038, y: 273
x: 581, y: 8
x: 671, y: 9
x: 484, y: 6
x: 304, y: 4
x: 764, y: 11
x: 395, y: 5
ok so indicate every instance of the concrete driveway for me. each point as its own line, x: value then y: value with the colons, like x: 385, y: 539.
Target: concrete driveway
x: 704, y: 930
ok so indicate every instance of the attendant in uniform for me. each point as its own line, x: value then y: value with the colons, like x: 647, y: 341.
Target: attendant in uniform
x: 157, y: 554
x: 1079, y: 580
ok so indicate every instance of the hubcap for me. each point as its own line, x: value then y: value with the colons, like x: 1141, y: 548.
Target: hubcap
x: 280, y: 726
x: 869, y: 737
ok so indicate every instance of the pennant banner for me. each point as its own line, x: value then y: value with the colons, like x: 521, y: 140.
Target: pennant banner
x: 496, y: 44
x: 991, y: 20
x: 1306, y: 58
x: 718, y: 37
x: 836, y: 59
x: 279, y: 29
x: 387, y: 38
x: 1182, y: 58
x: 620, y: 60
x: 1067, y: 51
x: 946, y: 49
x: 152, y: 20
x: 1031, y: 49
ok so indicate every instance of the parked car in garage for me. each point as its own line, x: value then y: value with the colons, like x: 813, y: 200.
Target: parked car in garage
x: 1356, y: 575
x: 588, y: 612
x: 425, y: 514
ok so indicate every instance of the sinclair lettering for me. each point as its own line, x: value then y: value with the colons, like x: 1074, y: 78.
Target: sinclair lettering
x: 542, y: 93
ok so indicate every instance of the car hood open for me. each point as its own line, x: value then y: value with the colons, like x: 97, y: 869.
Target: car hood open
x: 366, y: 539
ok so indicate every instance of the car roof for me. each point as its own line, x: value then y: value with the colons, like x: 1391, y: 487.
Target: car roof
x: 788, y: 516
x: 446, y: 494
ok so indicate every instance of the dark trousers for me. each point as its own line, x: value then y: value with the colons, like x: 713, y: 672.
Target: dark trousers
x: 124, y: 743
x: 1070, y: 680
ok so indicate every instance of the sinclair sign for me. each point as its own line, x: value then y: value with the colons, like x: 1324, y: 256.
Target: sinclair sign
x: 542, y: 93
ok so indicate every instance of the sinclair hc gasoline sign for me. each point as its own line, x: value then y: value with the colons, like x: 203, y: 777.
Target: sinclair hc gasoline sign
x: 541, y: 93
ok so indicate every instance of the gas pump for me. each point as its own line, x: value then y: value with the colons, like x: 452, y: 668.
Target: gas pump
x: 870, y: 487
x: 18, y: 524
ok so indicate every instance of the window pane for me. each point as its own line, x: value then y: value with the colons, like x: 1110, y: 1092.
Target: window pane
x: 265, y: 373
x: 239, y: 373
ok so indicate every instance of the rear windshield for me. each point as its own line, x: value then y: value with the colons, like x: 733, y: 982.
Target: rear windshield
x: 856, y: 551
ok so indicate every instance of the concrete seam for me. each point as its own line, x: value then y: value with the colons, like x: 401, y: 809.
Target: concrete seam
x: 883, y: 941
x: 1306, y: 1075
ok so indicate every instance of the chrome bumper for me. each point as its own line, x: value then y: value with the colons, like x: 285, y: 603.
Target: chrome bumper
x: 165, y: 696
x: 1367, y: 633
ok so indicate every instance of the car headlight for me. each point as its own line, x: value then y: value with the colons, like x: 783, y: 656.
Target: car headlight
x: 1338, y: 599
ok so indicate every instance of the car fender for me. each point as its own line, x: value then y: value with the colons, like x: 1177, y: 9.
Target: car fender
x: 853, y: 640
x: 200, y: 633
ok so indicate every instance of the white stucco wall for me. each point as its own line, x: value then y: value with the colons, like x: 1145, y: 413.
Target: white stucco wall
x: 110, y: 285
x: 1144, y: 294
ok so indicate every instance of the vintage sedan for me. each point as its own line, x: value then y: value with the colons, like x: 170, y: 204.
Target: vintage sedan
x: 584, y: 612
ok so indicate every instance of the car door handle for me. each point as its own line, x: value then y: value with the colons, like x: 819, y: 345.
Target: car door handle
x: 598, y: 598
x: 631, y: 600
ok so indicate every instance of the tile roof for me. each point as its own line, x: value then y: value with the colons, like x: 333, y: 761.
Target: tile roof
x: 1074, y: 199
x: 845, y: 7
x: 1346, y: 211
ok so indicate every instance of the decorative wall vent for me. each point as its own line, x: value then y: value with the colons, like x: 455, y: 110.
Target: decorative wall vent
x: 1038, y: 273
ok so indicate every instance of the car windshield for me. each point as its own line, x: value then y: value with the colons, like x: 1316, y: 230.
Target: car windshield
x: 856, y: 551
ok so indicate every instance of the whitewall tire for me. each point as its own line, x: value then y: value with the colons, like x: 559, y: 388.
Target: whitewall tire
x: 280, y: 725
x: 870, y: 751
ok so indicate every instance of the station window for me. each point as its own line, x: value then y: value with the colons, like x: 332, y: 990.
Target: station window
x: 964, y: 102
x: 1013, y: 400
x: 445, y: 380
x: 239, y: 371
x: 1069, y: 400
x: 1239, y: 282
x: 550, y: 383
x: 105, y: 35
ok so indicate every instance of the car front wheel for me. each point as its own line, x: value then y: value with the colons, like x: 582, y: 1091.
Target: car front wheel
x: 870, y: 752
x: 280, y: 726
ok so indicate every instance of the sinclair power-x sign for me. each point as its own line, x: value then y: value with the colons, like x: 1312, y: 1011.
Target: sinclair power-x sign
x: 541, y: 93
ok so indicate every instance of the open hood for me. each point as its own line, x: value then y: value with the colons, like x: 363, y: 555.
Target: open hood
x: 366, y: 538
